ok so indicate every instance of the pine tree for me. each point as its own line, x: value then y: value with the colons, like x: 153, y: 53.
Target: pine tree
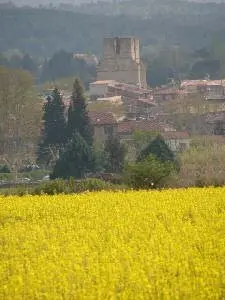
x: 78, y: 119
x: 75, y: 161
x: 159, y: 148
x: 54, y: 129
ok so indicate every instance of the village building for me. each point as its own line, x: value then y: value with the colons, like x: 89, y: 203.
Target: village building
x: 141, y: 108
x: 215, y: 90
x: 162, y: 95
x: 122, y: 74
x: 100, y: 89
x: 177, y: 141
x: 194, y: 86
x: 138, y: 102
x: 217, y: 123
x: 121, y: 61
x: 212, y: 90
x: 105, y: 126
x: 126, y: 128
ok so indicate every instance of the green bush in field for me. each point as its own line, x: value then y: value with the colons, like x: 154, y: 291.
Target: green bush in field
x: 148, y: 173
x: 59, y: 186
x: 4, y: 169
x: 6, y: 176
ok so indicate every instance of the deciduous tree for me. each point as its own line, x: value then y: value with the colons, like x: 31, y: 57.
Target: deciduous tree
x: 20, y: 117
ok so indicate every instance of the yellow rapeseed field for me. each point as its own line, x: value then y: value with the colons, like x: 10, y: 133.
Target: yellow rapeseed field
x: 107, y: 245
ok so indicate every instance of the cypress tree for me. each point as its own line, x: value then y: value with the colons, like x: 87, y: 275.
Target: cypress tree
x: 78, y: 119
x: 115, y: 154
x: 75, y: 161
x: 54, y: 129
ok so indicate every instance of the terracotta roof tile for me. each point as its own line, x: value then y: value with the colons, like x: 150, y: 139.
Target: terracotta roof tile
x: 176, y: 135
x: 187, y: 83
x: 216, y: 82
x: 99, y: 82
x: 102, y: 118
x: 168, y: 91
x: 147, y: 101
x: 142, y: 125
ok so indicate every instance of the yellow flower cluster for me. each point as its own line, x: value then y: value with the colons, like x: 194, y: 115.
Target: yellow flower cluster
x: 114, y: 245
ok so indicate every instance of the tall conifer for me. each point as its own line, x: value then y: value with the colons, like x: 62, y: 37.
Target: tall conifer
x: 54, y: 129
x: 159, y: 148
x: 75, y: 161
x: 78, y: 120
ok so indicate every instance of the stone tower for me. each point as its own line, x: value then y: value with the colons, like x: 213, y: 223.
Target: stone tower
x: 121, y: 61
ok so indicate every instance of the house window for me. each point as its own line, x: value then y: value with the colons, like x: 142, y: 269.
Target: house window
x: 108, y: 130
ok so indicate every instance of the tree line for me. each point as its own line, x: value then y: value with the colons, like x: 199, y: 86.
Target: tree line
x: 62, y: 64
x: 185, y: 46
x: 163, y: 64
x: 41, y: 32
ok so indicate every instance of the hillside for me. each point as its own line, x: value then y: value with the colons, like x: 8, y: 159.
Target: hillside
x: 42, y: 32
x: 149, y: 8
x: 78, y: 2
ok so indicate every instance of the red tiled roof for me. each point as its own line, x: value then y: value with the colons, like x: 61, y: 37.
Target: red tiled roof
x: 175, y: 135
x: 220, y: 82
x: 102, y: 118
x: 194, y: 83
x: 202, y: 82
x: 100, y: 82
x: 168, y: 91
x: 149, y: 101
x: 142, y: 125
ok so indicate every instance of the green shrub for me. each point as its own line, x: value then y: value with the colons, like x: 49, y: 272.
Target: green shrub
x: 6, y: 176
x: 147, y: 174
x: 58, y: 186
x: 20, y: 190
x: 202, y: 181
x: 53, y: 187
x: 4, y: 169
x: 92, y: 184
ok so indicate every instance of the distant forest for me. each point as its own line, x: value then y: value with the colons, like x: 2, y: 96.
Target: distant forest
x: 42, y: 32
x: 178, y: 39
x: 150, y: 8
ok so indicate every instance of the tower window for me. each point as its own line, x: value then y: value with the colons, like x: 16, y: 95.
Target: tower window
x: 117, y: 45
